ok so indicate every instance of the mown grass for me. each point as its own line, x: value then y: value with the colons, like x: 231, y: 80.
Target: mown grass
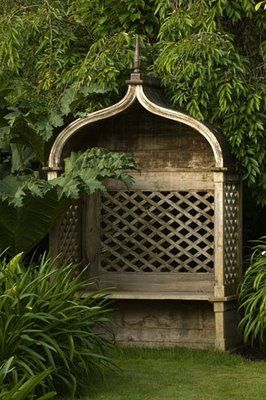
x: 182, y: 374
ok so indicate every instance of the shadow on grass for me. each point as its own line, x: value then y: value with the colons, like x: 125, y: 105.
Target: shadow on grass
x: 181, y: 374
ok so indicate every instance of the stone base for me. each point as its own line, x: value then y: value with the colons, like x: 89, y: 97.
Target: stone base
x: 157, y: 323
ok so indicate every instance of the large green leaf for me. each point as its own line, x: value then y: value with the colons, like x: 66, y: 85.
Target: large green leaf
x: 24, y: 133
x: 21, y: 228
x: 29, y: 206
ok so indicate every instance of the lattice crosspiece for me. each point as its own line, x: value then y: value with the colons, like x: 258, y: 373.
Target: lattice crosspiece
x: 69, y: 237
x: 231, y: 233
x: 157, y: 231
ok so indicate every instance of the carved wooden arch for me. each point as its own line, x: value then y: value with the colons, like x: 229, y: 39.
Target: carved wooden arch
x: 134, y: 92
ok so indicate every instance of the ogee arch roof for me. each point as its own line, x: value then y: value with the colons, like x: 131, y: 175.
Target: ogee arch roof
x: 150, y: 96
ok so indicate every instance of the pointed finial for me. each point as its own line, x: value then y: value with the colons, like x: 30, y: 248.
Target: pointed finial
x: 135, y: 76
x: 137, y: 56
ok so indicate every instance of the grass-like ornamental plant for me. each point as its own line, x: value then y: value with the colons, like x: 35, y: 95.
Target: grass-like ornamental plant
x: 252, y: 296
x: 47, y: 322
x: 24, y: 389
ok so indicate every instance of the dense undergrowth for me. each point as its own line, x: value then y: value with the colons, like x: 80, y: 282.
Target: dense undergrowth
x: 47, y: 324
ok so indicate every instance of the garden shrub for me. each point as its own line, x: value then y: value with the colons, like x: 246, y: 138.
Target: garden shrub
x: 48, y: 319
x: 252, y: 296
x: 24, y: 389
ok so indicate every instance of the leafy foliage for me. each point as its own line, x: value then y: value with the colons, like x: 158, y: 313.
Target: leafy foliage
x: 261, y: 4
x: 46, y: 323
x: 61, y: 59
x: 29, y: 206
x: 252, y: 296
x: 213, y: 68
x: 24, y: 389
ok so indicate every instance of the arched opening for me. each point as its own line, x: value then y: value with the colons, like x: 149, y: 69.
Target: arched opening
x: 174, y: 236
x: 156, y: 143
x: 159, y: 234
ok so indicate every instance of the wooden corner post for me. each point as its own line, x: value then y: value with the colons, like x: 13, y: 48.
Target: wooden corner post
x: 219, y: 290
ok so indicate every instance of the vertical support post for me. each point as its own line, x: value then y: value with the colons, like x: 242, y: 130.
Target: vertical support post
x: 218, y: 234
x: 91, y: 233
x: 225, y: 304
x: 53, y: 235
x: 52, y: 175
x: 219, y: 290
x: 219, y: 311
x: 226, y: 325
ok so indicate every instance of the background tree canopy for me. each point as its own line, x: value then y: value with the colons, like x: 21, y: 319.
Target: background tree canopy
x: 62, y: 59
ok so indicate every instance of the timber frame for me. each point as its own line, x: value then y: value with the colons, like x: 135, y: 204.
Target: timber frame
x: 210, y: 266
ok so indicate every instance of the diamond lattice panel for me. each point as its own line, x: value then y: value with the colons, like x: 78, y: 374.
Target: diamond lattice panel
x: 69, y: 239
x: 231, y: 232
x: 157, y: 231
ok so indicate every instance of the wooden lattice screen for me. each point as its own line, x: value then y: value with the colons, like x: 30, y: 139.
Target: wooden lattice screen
x: 68, y: 233
x: 162, y: 231
x: 231, y: 234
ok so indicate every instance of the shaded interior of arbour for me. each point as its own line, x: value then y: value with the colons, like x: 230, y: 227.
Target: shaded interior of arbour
x: 156, y: 143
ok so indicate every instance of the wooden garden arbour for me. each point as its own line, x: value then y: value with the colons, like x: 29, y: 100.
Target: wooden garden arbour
x: 198, y: 187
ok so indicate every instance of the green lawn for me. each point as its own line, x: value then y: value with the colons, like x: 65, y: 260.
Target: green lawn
x: 181, y: 374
